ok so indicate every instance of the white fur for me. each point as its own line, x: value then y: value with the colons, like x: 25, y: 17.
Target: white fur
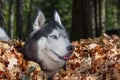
x: 3, y: 35
x: 57, y: 18
x: 50, y: 61
x: 39, y: 21
x: 50, y: 51
x: 61, y: 43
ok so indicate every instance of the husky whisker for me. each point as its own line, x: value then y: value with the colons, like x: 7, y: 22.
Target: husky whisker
x: 61, y: 57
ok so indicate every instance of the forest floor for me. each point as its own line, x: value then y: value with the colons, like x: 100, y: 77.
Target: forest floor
x: 93, y: 59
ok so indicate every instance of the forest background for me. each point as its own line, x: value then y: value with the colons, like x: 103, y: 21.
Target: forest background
x: 82, y: 18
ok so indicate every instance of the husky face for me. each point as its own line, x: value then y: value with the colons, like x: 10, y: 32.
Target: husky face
x: 48, y: 44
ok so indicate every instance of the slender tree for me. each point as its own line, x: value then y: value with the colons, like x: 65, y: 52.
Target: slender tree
x: 29, y: 24
x: 97, y: 17
x: 19, y: 19
x: 102, y: 15
x: 2, y: 20
x: 115, y: 14
x: 11, y: 19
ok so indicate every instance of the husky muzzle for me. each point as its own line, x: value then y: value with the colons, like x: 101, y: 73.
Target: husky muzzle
x: 66, y: 57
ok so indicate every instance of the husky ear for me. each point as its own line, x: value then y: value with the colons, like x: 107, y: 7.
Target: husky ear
x: 39, y: 21
x: 57, y: 17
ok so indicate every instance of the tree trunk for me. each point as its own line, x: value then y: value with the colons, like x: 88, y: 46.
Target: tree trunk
x: 115, y: 14
x: 83, y: 21
x: 29, y: 24
x: 19, y: 19
x: 2, y: 20
x: 97, y: 16
x: 77, y: 16
x: 89, y: 18
x: 11, y: 19
x: 102, y: 15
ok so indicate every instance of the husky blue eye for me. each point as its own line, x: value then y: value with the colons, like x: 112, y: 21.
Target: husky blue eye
x: 53, y: 36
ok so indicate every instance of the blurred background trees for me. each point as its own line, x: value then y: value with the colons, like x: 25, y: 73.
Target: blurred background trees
x: 82, y: 18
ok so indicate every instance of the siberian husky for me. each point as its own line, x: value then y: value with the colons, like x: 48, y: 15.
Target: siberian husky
x: 48, y: 44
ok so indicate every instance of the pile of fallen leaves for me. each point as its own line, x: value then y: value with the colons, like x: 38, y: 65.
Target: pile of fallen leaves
x: 93, y: 59
x: 14, y: 67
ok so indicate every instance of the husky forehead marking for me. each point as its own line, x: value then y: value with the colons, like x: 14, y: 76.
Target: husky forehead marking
x: 47, y: 28
x: 48, y: 44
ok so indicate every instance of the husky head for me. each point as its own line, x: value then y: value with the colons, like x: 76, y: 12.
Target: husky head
x: 48, y: 44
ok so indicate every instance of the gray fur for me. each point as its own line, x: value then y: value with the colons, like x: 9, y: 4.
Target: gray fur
x: 48, y: 45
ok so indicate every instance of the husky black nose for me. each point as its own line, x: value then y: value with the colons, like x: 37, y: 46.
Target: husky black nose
x: 70, y: 48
